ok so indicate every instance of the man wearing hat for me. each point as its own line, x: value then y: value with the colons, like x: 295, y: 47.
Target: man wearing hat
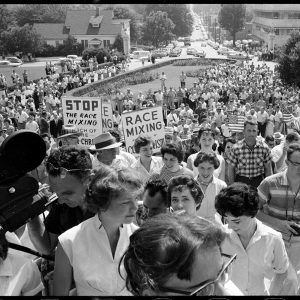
x: 69, y: 136
x: 106, y: 148
x: 219, y: 116
x: 278, y: 153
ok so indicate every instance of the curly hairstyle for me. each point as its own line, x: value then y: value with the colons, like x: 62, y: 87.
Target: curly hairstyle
x: 178, y: 183
x: 172, y: 149
x: 70, y: 158
x: 207, y: 157
x: 108, y: 184
x: 141, y: 141
x: 167, y: 245
x: 238, y: 199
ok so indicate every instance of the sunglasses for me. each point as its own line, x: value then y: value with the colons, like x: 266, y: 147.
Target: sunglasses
x: 61, y: 171
x: 207, y: 287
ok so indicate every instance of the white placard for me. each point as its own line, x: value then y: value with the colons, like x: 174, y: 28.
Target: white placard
x: 147, y: 122
x: 107, y: 116
x: 85, y: 114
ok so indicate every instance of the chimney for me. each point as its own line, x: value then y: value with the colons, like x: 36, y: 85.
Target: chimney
x: 98, y: 9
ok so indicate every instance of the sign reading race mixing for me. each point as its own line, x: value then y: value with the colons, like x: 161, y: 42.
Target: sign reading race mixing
x: 85, y: 113
x: 147, y: 121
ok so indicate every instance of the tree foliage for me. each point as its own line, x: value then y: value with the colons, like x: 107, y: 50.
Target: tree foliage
x: 158, y: 28
x: 6, y: 17
x: 40, y: 13
x: 118, y: 43
x: 289, y: 61
x: 178, y: 13
x: 23, y: 39
x: 127, y: 13
x: 232, y: 18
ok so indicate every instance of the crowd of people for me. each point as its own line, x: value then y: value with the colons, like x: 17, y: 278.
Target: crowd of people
x: 215, y: 212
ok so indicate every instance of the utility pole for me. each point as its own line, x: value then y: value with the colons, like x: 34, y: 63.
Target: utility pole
x: 215, y: 27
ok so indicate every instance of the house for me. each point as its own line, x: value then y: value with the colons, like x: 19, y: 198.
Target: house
x: 92, y: 28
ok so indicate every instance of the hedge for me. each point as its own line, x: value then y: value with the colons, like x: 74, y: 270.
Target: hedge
x: 112, y: 82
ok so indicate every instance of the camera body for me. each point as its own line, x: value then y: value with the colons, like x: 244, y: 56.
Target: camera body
x: 20, y: 196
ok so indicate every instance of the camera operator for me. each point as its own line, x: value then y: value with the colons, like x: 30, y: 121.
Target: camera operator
x: 68, y: 168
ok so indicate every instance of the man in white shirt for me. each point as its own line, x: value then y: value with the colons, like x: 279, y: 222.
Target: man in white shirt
x: 172, y: 118
x: 21, y: 117
x: 159, y: 96
x: 278, y: 118
x: 31, y: 124
x: 262, y: 118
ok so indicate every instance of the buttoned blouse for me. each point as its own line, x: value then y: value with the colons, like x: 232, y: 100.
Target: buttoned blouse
x: 95, y: 269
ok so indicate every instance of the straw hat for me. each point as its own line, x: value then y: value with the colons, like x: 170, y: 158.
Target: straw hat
x: 104, y: 141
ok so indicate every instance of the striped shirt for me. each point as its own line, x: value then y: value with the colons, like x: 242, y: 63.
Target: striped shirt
x: 280, y: 201
x: 247, y: 162
x: 236, y: 123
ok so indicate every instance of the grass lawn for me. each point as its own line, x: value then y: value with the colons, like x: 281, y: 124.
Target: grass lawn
x: 33, y: 73
x: 172, y: 73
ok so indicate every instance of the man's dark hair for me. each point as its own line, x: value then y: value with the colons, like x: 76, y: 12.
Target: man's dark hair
x: 292, y: 137
x: 207, y: 157
x: 154, y: 186
x: 250, y: 122
x: 70, y: 158
x: 238, y: 199
x: 141, y: 141
x: 166, y: 245
x: 292, y: 148
x: 115, y: 134
x: 269, y: 138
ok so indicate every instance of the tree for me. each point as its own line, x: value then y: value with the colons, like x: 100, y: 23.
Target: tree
x: 126, y: 13
x: 118, y: 43
x: 6, y: 17
x: 289, y: 61
x: 232, y: 18
x: 40, y: 13
x: 178, y: 13
x: 21, y: 39
x: 158, y: 29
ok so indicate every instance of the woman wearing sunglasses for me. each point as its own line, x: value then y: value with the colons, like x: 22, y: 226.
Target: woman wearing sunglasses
x: 90, y: 252
x: 261, y: 254
x: 177, y: 255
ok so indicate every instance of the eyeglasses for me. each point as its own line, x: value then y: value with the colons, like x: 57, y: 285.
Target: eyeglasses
x: 61, y: 171
x: 294, y: 163
x: 206, y: 288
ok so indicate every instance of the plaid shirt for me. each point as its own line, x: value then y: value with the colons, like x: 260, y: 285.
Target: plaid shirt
x: 247, y: 162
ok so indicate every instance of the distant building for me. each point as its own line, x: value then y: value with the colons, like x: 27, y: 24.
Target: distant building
x: 273, y: 23
x: 92, y: 28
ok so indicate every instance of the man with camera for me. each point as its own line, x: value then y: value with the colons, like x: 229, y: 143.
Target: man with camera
x: 68, y: 170
x: 280, y: 203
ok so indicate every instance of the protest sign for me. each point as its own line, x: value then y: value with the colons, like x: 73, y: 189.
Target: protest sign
x: 147, y: 122
x: 85, y: 114
x: 107, y: 116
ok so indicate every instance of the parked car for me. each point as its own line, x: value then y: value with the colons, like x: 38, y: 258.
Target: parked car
x: 8, y: 64
x: 160, y: 53
x: 237, y: 55
x: 190, y: 51
x: 200, y: 53
x: 14, y: 59
x: 175, y: 52
x: 203, y: 45
x: 223, y: 51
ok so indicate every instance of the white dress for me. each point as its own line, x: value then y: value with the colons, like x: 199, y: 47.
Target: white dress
x: 88, y: 249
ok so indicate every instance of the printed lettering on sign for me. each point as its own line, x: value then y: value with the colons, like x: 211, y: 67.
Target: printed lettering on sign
x: 85, y: 113
x: 107, y: 116
x: 147, y: 121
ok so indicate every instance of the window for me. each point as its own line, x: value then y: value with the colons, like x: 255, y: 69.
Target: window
x: 106, y: 43
x: 56, y: 43
x: 86, y: 43
x: 276, y: 31
x: 276, y: 15
x: 294, y: 15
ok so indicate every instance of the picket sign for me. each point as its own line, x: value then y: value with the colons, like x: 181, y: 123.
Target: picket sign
x: 107, y: 115
x: 86, y: 114
x: 147, y: 122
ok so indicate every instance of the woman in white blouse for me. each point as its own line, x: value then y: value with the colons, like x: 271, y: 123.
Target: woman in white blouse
x: 89, y: 253
x: 262, y: 265
x: 146, y: 164
x: 210, y: 185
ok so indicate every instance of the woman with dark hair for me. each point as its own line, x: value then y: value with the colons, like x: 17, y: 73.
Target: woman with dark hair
x: 261, y: 253
x: 210, y: 185
x: 177, y: 255
x: 172, y: 157
x: 206, y: 138
x: 184, y: 193
x: 90, y: 252
x: 146, y: 164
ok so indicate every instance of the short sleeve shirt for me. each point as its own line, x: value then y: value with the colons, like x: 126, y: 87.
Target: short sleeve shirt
x: 247, y: 162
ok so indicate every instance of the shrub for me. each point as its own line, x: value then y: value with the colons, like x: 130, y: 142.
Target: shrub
x: 100, y: 55
x: 88, y: 53
x: 196, y: 73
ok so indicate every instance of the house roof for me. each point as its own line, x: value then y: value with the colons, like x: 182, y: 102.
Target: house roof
x: 51, y: 31
x: 79, y: 22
